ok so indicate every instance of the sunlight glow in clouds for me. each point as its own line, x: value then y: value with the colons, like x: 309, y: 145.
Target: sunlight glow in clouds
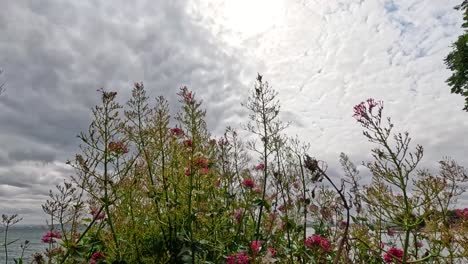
x: 243, y: 19
x: 251, y: 17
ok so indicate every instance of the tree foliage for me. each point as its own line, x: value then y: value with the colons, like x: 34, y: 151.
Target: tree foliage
x: 457, y: 59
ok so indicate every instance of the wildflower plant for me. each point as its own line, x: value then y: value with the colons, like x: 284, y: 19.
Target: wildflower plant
x: 151, y: 187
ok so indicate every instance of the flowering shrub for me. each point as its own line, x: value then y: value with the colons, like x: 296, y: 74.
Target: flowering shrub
x: 162, y: 190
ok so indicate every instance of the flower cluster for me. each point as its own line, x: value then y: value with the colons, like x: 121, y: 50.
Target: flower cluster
x: 96, y: 257
x: 177, y: 132
x: 318, y: 242
x: 186, y: 95
x: 96, y: 215
x: 237, y: 215
x: 249, y: 183
x: 50, y: 237
x: 188, y: 143
x: 462, y: 213
x: 271, y: 252
x: 203, y: 165
x: 201, y: 162
x: 393, y: 254
x: 260, y: 167
x: 117, y: 147
x: 364, y: 110
x: 255, y: 246
x: 239, y: 258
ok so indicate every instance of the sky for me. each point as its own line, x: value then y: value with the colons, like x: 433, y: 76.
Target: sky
x: 323, y: 57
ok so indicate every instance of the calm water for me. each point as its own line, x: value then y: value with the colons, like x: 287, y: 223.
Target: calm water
x: 31, y: 233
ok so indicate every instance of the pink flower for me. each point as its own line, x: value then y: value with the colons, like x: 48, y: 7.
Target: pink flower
x: 255, y: 246
x: 97, y: 255
x: 186, y: 95
x: 462, y: 213
x: 96, y: 215
x: 231, y: 259
x: 237, y: 215
x: 188, y: 143
x: 187, y: 171
x: 360, y: 111
x: 177, y: 131
x: 393, y: 254
x: 257, y: 190
x: 343, y: 224
x: 249, y: 183
x: 318, y: 242
x: 363, y: 112
x: 272, y: 252
x: 49, y: 237
x: 259, y: 167
x: 419, y: 244
x: 201, y: 162
x: 240, y: 257
x: 203, y: 171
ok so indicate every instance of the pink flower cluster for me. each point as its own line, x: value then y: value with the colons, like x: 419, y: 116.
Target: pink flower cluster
x: 239, y: 258
x: 186, y: 95
x: 393, y: 254
x: 462, y: 213
x: 96, y: 257
x: 260, y: 167
x: 255, y: 246
x: 362, y: 110
x: 96, y: 215
x: 237, y: 215
x: 177, y: 132
x: 203, y: 165
x: 319, y: 242
x: 249, y: 183
x: 201, y: 162
x: 188, y: 143
x: 50, y: 236
x: 272, y: 252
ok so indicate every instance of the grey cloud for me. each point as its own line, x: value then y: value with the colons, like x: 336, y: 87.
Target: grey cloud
x: 57, y: 53
x: 21, y: 155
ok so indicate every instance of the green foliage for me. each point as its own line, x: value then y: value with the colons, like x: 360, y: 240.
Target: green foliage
x: 457, y: 60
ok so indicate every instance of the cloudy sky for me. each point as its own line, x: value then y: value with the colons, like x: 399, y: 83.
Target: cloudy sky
x: 322, y: 57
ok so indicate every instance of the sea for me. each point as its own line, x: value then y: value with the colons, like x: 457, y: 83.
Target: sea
x: 19, y: 234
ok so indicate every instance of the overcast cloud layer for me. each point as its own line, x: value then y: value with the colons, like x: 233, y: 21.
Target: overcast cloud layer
x: 323, y: 57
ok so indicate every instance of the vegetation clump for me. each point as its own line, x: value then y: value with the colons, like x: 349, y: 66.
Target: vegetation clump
x: 152, y: 188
